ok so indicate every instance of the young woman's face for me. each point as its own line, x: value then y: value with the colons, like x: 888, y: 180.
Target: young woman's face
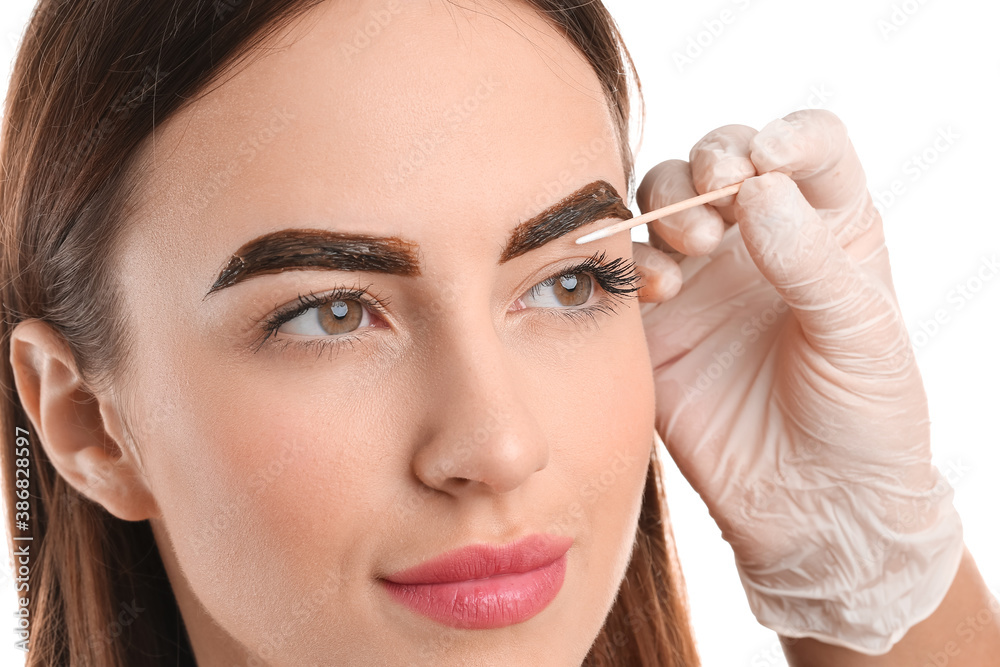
x: 450, y: 403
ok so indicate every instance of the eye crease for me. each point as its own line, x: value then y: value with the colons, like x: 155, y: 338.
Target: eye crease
x: 341, y: 317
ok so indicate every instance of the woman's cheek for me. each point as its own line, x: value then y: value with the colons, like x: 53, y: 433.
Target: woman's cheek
x: 254, y: 499
x: 604, y: 423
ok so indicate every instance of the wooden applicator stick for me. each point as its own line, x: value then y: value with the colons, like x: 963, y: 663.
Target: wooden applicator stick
x: 622, y: 225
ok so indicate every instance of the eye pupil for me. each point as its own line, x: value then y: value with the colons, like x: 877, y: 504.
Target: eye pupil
x: 568, y: 281
x: 340, y: 317
x: 567, y: 292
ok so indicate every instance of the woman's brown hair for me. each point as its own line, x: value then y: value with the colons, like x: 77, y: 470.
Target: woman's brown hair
x: 91, y: 80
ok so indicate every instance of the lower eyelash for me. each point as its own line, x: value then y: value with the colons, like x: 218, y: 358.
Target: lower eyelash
x: 332, y: 345
x: 308, y: 301
x: 618, y: 278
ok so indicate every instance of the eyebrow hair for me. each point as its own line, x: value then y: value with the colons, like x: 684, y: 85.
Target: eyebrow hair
x: 324, y: 249
x: 593, y: 202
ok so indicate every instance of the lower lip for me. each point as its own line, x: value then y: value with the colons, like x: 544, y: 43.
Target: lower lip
x: 482, y: 604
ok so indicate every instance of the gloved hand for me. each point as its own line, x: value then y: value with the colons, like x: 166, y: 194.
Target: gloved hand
x: 787, y: 389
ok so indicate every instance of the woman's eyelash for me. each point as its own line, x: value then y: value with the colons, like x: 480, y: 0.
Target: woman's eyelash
x: 306, y: 302
x: 618, y: 279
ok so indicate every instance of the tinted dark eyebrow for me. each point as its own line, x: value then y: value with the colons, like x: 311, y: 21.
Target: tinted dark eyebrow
x: 318, y: 249
x: 290, y: 249
x: 591, y: 203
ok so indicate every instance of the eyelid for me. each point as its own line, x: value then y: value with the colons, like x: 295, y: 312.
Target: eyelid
x: 554, y: 270
x: 303, y: 303
x: 616, y: 279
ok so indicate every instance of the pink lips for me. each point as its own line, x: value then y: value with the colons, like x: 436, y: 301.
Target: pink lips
x: 484, y: 586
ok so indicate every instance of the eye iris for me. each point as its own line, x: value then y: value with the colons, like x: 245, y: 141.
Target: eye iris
x: 573, y: 289
x: 340, y: 317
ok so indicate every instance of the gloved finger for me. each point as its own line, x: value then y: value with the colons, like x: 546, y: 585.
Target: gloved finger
x: 848, y: 315
x: 722, y: 158
x: 695, y: 231
x: 812, y: 147
x: 661, y: 275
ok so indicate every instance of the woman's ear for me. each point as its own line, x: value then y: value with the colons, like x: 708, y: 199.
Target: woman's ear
x: 81, y: 433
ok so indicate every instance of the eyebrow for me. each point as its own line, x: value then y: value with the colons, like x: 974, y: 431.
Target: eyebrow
x: 291, y: 249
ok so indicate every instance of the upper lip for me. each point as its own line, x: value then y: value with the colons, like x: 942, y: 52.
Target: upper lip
x: 478, y: 561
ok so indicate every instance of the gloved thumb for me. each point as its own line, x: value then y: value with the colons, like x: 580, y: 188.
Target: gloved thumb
x: 848, y: 314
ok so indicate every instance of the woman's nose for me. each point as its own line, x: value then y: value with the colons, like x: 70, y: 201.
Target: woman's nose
x: 479, y: 422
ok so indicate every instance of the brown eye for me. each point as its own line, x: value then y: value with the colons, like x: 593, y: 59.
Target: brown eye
x: 567, y: 290
x: 341, y: 316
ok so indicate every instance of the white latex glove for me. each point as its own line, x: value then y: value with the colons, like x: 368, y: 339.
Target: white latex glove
x: 787, y: 389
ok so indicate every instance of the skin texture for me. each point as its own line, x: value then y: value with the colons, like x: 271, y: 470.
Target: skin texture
x: 281, y: 483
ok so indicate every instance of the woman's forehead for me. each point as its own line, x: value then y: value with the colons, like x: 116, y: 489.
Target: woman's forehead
x: 441, y: 119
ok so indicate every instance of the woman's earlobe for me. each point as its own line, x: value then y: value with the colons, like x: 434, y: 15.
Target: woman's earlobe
x: 72, y: 424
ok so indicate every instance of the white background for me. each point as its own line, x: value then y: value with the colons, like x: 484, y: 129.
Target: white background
x: 898, y: 74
